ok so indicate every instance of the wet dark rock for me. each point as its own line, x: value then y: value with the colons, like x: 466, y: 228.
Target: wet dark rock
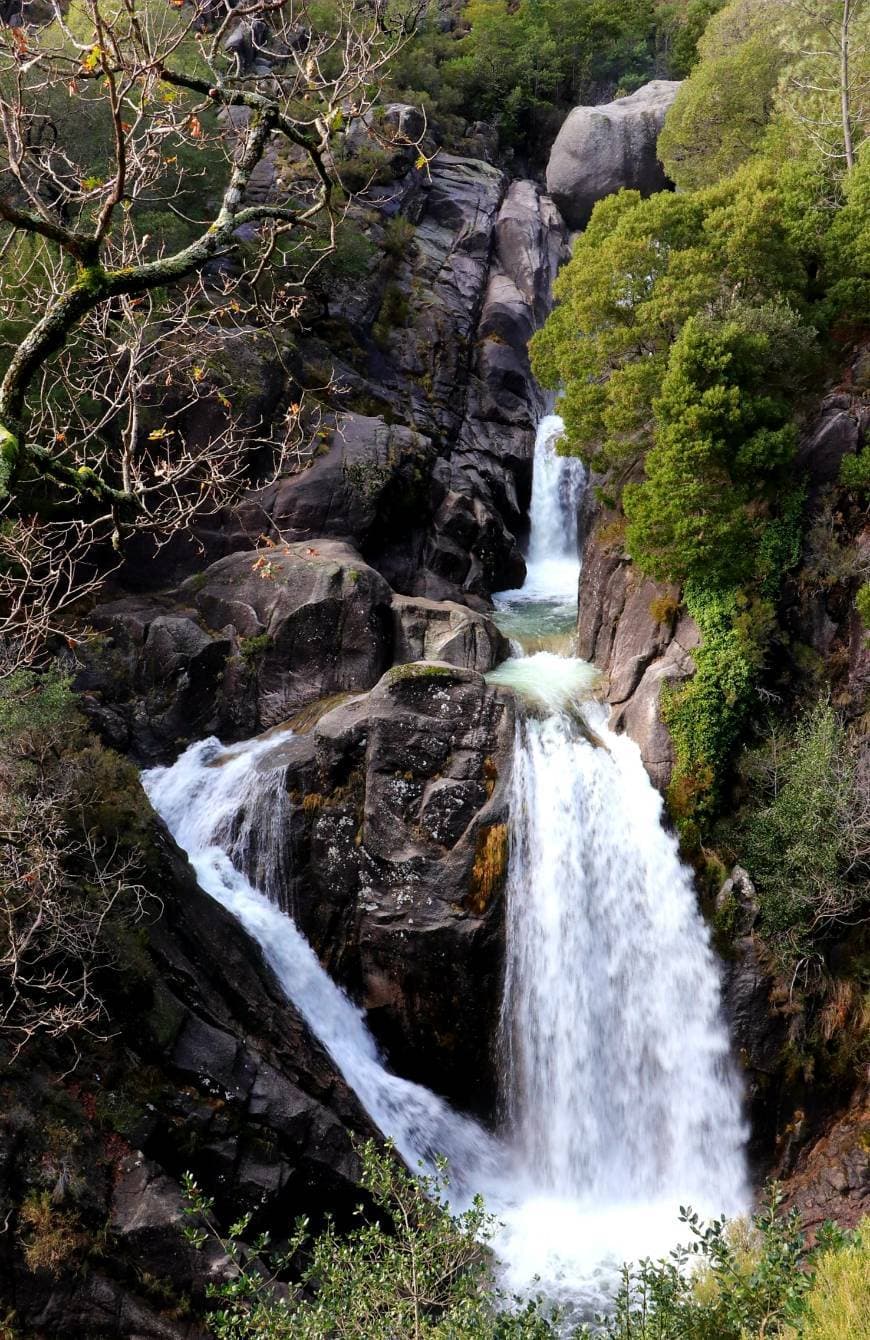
x: 373, y: 479
x: 837, y: 430
x: 209, y: 1069
x: 400, y: 856
x: 445, y: 406
x: 317, y: 614
x: 759, y: 1035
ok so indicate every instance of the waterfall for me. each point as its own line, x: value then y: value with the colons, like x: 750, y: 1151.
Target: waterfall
x: 545, y: 606
x: 620, y: 1097
x: 212, y: 800
x: 618, y: 1078
x: 620, y: 1100
x: 553, y: 562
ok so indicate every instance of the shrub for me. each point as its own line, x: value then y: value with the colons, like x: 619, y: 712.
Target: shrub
x: 737, y: 1281
x: 862, y: 604
x: 855, y: 471
x: 806, y: 842
x: 398, y: 236
x: 663, y: 608
x: 71, y: 853
x: 838, y: 1301
x: 52, y: 1237
x: 706, y: 715
x: 415, y: 1270
x: 255, y: 646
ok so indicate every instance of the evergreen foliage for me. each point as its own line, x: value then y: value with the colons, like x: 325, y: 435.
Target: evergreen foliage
x: 723, y: 110
x: 806, y: 838
x: 521, y: 66
x: 687, y: 330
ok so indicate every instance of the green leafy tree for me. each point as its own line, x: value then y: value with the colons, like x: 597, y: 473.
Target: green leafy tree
x: 827, y: 83
x: 724, y: 442
x: 680, y: 24
x: 846, y: 253
x: 722, y: 112
x: 643, y: 268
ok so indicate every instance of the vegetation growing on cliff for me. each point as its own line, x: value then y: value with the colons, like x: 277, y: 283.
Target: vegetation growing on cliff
x: 71, y: 863
x: 689, y: 327
x: 520, y: 67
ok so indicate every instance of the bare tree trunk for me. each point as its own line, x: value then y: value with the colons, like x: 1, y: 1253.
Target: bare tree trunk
x: 845, y: 96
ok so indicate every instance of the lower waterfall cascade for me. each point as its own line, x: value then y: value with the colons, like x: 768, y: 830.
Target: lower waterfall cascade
x: 620, y: 1100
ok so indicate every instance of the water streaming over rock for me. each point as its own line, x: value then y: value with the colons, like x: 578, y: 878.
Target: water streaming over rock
x: 620, y: 1095
x: 620, y: 1098
x: 212, y: 800
x: 546, y: 603
x: 620, y: 1102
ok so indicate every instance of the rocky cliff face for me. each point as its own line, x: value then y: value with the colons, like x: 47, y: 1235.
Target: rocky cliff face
x: 630, y: 628
x: 394, y: 838
x: 426, y: 465
x: 206, y: 1068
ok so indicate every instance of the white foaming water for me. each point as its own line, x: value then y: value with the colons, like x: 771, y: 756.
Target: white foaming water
x: 212, y: 799
x: 553, y: 560
x: 620, y: 1096
x: 554, y: 683
x: 621, y: 1103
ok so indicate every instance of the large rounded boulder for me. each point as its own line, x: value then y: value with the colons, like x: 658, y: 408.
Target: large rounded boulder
x: 600, y: 150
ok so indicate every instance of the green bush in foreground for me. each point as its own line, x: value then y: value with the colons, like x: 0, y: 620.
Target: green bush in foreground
x: 419, y: 1272
x: 743, y: 1281
x: 415, y: 1271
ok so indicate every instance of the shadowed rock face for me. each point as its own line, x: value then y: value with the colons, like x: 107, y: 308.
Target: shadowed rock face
x: 396, y: 853
x: 619, y: 632
x: 600, y: 150
x: 208, y: 1068
x: 427, y: 472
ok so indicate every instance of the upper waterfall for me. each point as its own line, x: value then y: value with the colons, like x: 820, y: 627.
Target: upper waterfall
x: 546, y: 603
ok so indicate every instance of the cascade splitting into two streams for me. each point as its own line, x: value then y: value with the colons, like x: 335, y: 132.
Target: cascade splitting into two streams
x: 619, y: 1097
